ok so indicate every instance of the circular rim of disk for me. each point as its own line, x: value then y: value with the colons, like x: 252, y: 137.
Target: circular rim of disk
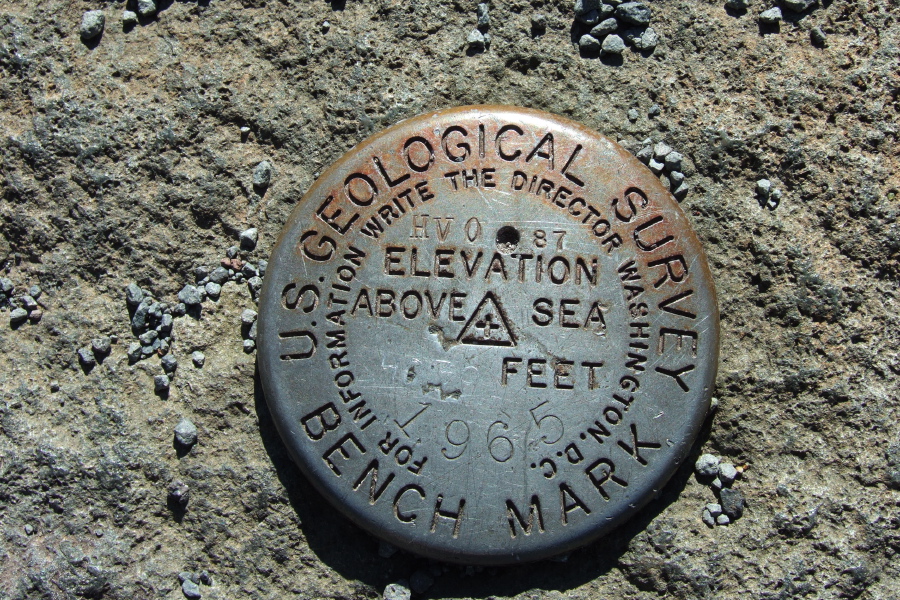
x: 488, y: 335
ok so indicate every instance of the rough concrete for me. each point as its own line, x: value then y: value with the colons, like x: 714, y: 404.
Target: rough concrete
x: 123, y: 160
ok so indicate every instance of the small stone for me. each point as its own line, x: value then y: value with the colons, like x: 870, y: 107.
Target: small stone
x: 707, y: 466
x: 604, y: 28
x: 708, y: 519
x: 101, y: 345
x: 161, y: 384
x: 722, y: 520
x: 148, y: 337
x: 146, y: 8
x: 188, y: 576
x: 179, y: 493
x: 798, y: 5
x: 251, y: 335
x: 169, y: 364
x: 681, y: 191
x: 86, y: 357
x: 397, y: 591
x: 179, y: 309
x: 29, y: 529
x: 648, y: 40
x: 54, y: 386
x: 165, y: 323
x: 732, y: 502
x: 198, y: 358
x: 739, y: 5
x: 484, y: 17
x: 656, y: 167
x: 190, y: 295
x: 583, y: 7
x: 771, y: 16
x: 232, y: 253
x: 213, y: 290
x: 129, y: 18
x: 201, y: 273
x: 248, y: 270
x: 420, y: 582
x: 633, y: 115
x: 262, y: 174
x: 35, y: 291
x: 763, y: 188
x: 155, y: 311
x: 676, y: 178
x: 645, y: 154
x: 635, y: 13
x: 727, y: 474
x: 817, y: 36
x: 6, y: 286
x: 714, y: 509
x: 660, y: 150
x: 246, y: 130
x: 92, y: 23
x: 249, y: 346
x: 219, y: 275
x: 134, y: 351
x: 255, y: 284
x: 186, y: 433
x: 538, y: 22
x: 476, y: 40
x: 716, y: 484
x: 673, y: 161
x: 654, y: 111
x: 589, y: 43
x: 261, y: 267
x: 190, y: 589
x: 775, y: 198
x: 205, y: 578
x: 35, y: 315
x: 17, y: 316
x: 29, y: 303
x: 248, y: 238
x: 613, y: 44
x: 248, y: 317
x: 133, y: 294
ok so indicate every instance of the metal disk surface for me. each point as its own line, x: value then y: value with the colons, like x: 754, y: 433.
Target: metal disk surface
x: 488, y: 335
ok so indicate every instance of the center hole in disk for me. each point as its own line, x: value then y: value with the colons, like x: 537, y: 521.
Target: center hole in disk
x: 507, y: 239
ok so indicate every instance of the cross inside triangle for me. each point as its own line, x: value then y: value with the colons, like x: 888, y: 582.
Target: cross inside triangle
x: 488, y: 325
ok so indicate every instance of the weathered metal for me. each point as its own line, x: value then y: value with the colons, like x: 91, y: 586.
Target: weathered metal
x: 488, y: 335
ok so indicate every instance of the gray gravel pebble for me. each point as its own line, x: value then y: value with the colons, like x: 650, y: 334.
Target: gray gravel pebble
x: 817, y: 36
x: 727, y: 474
x: 146, y: 8
x: 673, y: 161
x: 249, y: 346
x: 248, y: 238
x: 397, y: 591
x: 29, y: 303
x: 161, y: 383
x: 708, y: 518
x: 129, y: 18
x: 17, y: 315
x: 714, y: 509
x: 538, y: 22
x: 589, y: 43
x: 732, y: 502
x: 798, y: 5
x: 722, y: 520
x: 262, y: 174
x: 92, y: 23
x: 645, y: 154
x: 134, y: 351
x: 205, y: 578
x: 654, y: 111
x: 6, y: 286
x: 190, y: 589
x: 101, y: 345
x: 188, y: 576
x: 255, y: 284
x: 261, y: 267
x: 635, y: 13
x: 738, y: 4
x: 604, y: 28
x: 661, y: 150
x: 633, y: 114
x: 213, y: 290
x: 655, y: 166
x: 86, y: 357
x: 613, y: 44
x: 190, y: 295
x: 219, y: 275
x: 707, y: 466
x: 681, y: 191
x: 165, y: 323
x: 248, y: 270
x: 148, y: 337
x: 198, y: 358
x: 186, y: 433
x: 484, y: 16
x: 771, y: 16
x: 764, y: 188
x: 676, y: 178
x: 133, y: 294
x: 248, y: 317
x: 179, y: 493
x: 232, y: 251
x: 35, y: 291
x: 476, y: 40
x: 169, y: 363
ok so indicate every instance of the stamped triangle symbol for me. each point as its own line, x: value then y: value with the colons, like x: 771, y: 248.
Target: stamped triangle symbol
x: 488, y: 325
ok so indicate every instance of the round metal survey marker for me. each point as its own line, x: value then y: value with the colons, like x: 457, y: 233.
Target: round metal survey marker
x: 488, y: 335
